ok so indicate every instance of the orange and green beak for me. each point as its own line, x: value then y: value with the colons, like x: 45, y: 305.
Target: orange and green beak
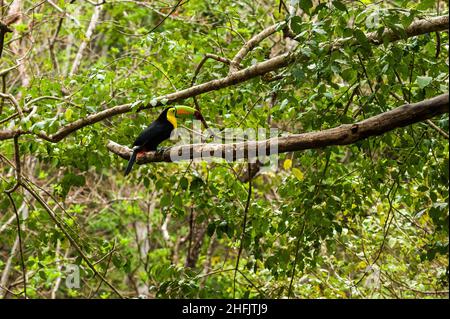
x: 186, y: 112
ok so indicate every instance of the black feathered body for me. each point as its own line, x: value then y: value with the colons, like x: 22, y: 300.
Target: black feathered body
x: 153, y: 135
x: 157, y: 132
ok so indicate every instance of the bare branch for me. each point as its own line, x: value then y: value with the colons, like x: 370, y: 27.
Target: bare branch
x: 200, y: 65
x: 6, y: 224
x: 19, y: 49
x: 88, y: 35
x: 168, y: 15
x: 426, y: 25
x: 64, y: 12
x: 18, y: 167
x: 418, y: 27
x: 437, y: 128
x: 252, y: 43
x: 19, y: 236
x: 6, y: 271
x: 244, y: 224
x: 6, y: 71
x: 8, y: 134
x: 205, y: 58
x: 14, y: 102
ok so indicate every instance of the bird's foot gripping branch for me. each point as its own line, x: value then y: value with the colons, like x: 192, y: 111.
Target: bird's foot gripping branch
x: 256, y: 149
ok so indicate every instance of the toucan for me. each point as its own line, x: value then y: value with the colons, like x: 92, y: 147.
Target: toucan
x: 160, y: 129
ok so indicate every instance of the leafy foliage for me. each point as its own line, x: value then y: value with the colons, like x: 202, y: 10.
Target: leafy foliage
x: 368, y: 220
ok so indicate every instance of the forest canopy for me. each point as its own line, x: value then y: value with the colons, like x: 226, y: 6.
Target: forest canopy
x: 346, y: 103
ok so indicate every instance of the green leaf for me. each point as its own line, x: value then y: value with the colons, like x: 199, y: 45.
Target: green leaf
x: 211, y: 229
x: 296, y: 24
x: 339, y: 5
x: 184, y: 183
x: 68, y: 114
x: 423, y: 81
x: 426, y: 4
x: 305, y: 5
x: 70, y: 180
x: 165, y: 200
x: 146, y: 181
x: 178, y: 201
x: 360, y: 36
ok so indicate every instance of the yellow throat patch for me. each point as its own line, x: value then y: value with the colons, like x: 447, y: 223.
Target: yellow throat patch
x: 171, y: 117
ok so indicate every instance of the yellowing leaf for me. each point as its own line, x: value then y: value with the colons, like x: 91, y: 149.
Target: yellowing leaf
x: 215, y: 260
x: 298, y: 173
x: 361, y: 265
x: 287, y: 164
x: 68, y: 114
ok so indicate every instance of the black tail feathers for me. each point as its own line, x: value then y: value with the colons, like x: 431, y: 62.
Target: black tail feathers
x: 131, y: 161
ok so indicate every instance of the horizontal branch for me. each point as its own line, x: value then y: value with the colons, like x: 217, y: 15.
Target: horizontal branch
x: 416, y: 28
x: 71, y: 127
x: 342, y: 135
x: 440, y: 23
x: 426, y: 25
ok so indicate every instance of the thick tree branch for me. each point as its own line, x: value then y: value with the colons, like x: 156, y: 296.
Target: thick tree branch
x: 342, y: 135
x: 232, y: 79
x: 426, y: 25
x: 418, y: 27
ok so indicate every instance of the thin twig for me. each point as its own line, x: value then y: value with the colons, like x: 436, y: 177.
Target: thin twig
x: 297, y: 246
x: 88, y: 35
x: 7, y: 268
x: 7, y: 223
x: 110, y: 254
x: 24, y: 271
x: 393, y: 189
x: 14, y: 102
x: 244, y: 224
x: 65, y: 13
x: 8, y: 193
x: 6, y: 71
x: 168, y: 15
x: 200, y: 65
x: 437, y: 128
